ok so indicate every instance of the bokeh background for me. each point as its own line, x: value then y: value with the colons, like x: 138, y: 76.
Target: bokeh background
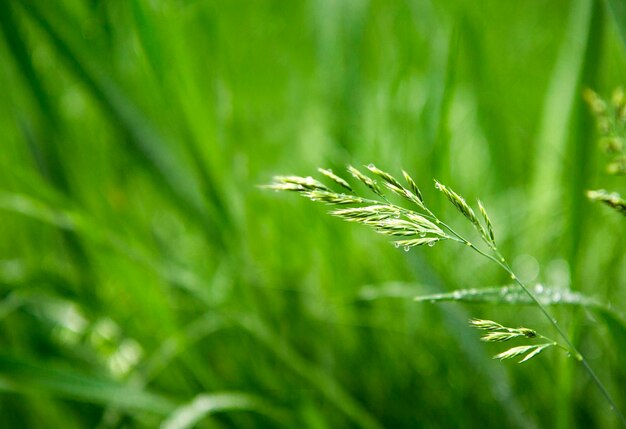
x: 146, y: 279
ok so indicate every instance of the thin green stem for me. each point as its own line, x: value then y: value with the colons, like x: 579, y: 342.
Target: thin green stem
x: 554, y: 343
x: 494, y: 255
x: 499, y: 259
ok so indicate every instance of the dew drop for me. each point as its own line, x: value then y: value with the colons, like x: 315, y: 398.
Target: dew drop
x: 513, y: 277
x: 539, y: 288
x: 371, y: 166
x: 502, y: 260
x: 422, y: 234
x: 468, y: 243
x: 431, y: 244
x: 396, y: 244
x: 407, y: 248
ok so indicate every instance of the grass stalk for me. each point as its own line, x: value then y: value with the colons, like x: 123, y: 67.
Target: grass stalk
x: 571, y: 348
x: 422, y: 226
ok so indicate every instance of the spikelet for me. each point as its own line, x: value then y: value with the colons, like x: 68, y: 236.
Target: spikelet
x: 490, y: 238
x: 497, y: 333
x: 332, y: 176
x: 365, y: 180
x: 612, y: 200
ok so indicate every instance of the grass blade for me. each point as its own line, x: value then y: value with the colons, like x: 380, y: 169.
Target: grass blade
x: 23, y: 376
x: 144, y: 138
x: 313, y: 375
x: 203, y: 405
x: 512, y: 295
x: 618, y: 12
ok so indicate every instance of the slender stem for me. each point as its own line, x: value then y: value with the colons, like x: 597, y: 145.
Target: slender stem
x: 554, y: 343
x: 577, y: 355
x: 501, y: 261
x: 570, y: 346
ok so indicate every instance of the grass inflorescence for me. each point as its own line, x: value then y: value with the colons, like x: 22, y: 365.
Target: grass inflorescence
x: 610, y: 118
x: 497, y: 333
x: 611, y: 199
x: 419, y: 226
x: 411, y: 227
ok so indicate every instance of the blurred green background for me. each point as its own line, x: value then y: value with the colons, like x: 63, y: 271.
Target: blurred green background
x: 146, y: 280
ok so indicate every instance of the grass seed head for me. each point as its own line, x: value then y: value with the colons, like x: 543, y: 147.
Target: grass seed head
x: 461, y: 205
x: 365, y: 180
x: 296, y: 183
x: 385, y: 176
x: 407, y: 244
x: 596, y: 104
x: 514, y: 352
x: 396, y: 187
x: 332, y: 198
x: 414, y: 189
x: 490, y: 238
x: 529, y: 350
x: 612, y: 200
x: 612, y: 144
x: 499, y: 337
x: 617, y: 167
x: 486, y: 325
x: 332, y: 176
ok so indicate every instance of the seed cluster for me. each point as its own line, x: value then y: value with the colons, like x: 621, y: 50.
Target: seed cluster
x: 413, y: 227
x: 497, y: 333
x: 610, y: 117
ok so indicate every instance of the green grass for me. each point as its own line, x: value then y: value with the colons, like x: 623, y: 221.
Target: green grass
x: 145, y: 279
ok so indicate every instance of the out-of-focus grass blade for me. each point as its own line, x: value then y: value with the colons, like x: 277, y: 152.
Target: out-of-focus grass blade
x: 199, y: 329
x: 618, y: 11
x: 71, y: 220
x: 312, y: 374
x: 10, y: 303
x: 44, y: 153
x: 397, y: 290
x: 616, y: 328
x: 144, y: 137
x: 405, y: 291
x: 513, y: 295
x: 561, y: 97
x: 22, y: 376
x: 188, y: 415
x: 36, y: 209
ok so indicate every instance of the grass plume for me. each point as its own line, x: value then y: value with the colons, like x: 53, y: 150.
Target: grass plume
x: 612, y: 199
x: 422, y: 226
x: 497, y: 333
x: 610, y: 118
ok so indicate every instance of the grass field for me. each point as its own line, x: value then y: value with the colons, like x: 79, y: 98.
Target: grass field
x: 146, y: 280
